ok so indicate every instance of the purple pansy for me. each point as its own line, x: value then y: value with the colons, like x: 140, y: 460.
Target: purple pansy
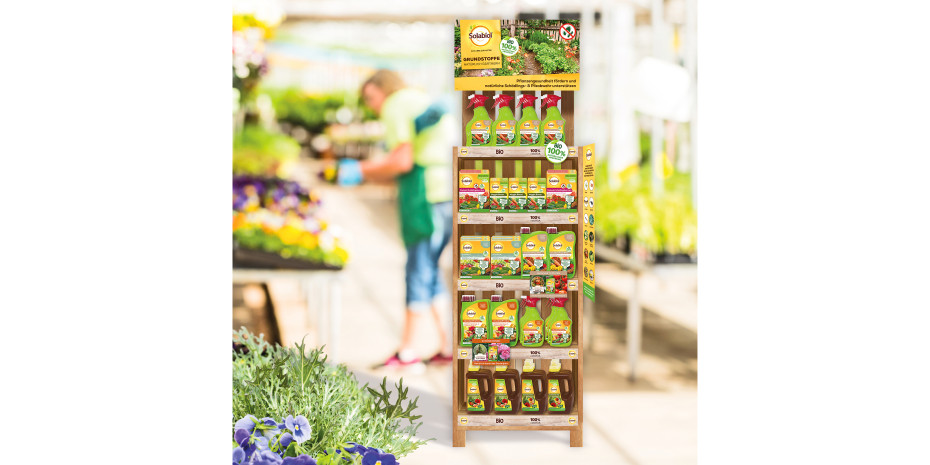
x: 299, y: 427
x: 301, y: 459
x: 378, y: 457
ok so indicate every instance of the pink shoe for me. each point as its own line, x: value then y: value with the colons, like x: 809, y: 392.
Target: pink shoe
x: 395, y: 362
x: 440, y: 359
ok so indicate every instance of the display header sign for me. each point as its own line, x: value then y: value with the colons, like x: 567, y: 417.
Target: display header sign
x: 511, y: 55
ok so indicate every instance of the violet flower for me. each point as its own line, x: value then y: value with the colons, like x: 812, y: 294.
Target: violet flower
x: 299, y: 427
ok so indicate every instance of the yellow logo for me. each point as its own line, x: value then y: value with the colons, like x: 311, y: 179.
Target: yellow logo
x: 463, y: 284
x: 572, y: 420
x: 463, y: 421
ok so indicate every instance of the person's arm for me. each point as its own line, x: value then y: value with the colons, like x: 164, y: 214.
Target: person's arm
x: 399, y: 161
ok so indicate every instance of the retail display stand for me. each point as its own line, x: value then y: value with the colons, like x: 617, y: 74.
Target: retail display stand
x: 507, y: 162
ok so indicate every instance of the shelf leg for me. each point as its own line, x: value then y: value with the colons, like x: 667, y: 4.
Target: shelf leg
x: 574, y: 438
x: 634, y: 327
x: 458, y: 437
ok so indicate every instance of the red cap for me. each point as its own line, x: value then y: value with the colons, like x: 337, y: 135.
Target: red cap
x: 527, y: 100
x: 501, y: 99
x: 476, y: 100
x: 551, y: 100
x: 530, y: 302
x: 558, y: 302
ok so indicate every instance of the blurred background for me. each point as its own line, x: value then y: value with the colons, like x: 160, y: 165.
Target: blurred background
x: 297, y: 68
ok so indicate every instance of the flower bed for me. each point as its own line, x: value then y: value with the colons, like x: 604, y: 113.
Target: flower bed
x: 290, y: 407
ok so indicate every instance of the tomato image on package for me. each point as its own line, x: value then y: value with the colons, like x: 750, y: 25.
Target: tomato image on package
x: 481, y: 42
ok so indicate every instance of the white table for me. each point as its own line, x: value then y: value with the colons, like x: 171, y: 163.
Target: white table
x: 323, y: 293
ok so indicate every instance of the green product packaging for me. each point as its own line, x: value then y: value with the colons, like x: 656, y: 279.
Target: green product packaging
x: 504, y: 129
x: 479, y: 127
x: 504, y: 319
x: 474, y: 319
x: 474, y: 256
x: 558, y: 325
x: 561, y: 252
x: 505, y: 256
x: 516, y: 194
x: 531, y: 324
x: 498, y: 194
x: 535, y: 194
x: 553, y: 125
x: 529, y: 122
x: 533, y: 250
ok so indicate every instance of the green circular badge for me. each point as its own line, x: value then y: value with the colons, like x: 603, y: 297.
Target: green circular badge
x: 556, y: 152
x: 510, y: 47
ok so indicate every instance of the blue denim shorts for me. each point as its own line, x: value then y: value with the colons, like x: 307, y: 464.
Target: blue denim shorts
x: 424, y: 280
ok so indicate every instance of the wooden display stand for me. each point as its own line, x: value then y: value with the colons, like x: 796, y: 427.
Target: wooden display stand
x: 502, y: 162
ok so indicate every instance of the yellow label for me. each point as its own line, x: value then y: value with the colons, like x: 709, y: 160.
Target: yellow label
x: 505, y: 256
x: 529, y: 132
x: 532, y: 332
x: 481, y: 43
x: 534, y: 252
x: 480, y: 132
x: 504, y: 320
x: 535, y: 193
x: 474, y: 321
x: 475, y: 402
x: 556, y: 403
x: 516, y: 194
x: 504, y: 131
x: 552, y: 130
x: 523, y: 83
x: 501, y: 401
x: 528, y: 402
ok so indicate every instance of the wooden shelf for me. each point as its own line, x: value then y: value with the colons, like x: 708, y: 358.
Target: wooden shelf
x: 517, y: 218
x: 521, y: 284
x: 541, y: 352
x: 509, y: 152
x: 518, y: 420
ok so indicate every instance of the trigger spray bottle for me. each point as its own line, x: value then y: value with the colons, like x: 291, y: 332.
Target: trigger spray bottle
x: 505, y: 124
x: 529, y: 122
x: 553, y: 125
x: 479, y: 127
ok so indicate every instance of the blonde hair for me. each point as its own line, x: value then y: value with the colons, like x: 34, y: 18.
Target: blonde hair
x: 386, y: 80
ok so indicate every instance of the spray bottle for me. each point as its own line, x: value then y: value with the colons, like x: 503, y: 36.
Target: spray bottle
x: 479, y: 127
x: 558, y: 325
x: 531, y: 324
x: 504, y: 133
x: 529, y: 122
x: 553, y: 125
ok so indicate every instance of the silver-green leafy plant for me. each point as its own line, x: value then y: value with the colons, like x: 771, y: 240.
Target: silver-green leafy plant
x: 274, y: 381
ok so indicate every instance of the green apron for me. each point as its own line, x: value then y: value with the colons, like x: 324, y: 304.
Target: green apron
x: 416, y: 213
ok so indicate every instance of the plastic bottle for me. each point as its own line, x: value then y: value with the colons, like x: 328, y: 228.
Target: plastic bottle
x: 559, y: 325
x: 503, y: 316
x: 478, y: 394
x: 506, y: 393
x: 532, y: 388
x: 553, y: 125
x: 480, y: 126
x: 474, y: 319
x: 531, y: 324
x: 560, y: 387
x: 504, y: 130
x: 529, y: 122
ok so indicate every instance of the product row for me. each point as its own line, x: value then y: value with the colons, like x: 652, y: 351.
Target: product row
x: 505, y: 390
x: 478, y: 192
x: 518, y: 256
x: 500, y: 319
x: 510, y: 131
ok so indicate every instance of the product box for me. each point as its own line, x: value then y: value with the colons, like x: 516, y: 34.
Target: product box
x: 535, y: 194
x: 474, y: 256
x: 561, y: 252
x: 533, y: 250
x: 561, y: 186
x: 505, y: 256
x: 474, y: 194
x: 498, y: 194
x: 490, y: 351
x: 503, y: 317
x: 516, y: 194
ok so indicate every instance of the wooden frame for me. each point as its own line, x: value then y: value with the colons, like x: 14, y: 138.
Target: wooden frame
x: 491, y: 224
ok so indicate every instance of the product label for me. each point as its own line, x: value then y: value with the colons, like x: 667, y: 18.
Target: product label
x: 556, y: 403
x: 516, y: 194
x: 501, y: 401
x: 481, y: 44
x: 473, y: 190
x: 535, y: 194
x: 505, y: 256
x: 528, y: 403
x: 534, y: 252
x: 480, y: 132
x: 529, y: 132
x: 552, y: 130
x: 475, y: 403
x: 503, y: 321
x: 562, y: 253
x: 560, y: 332
x: 504, y: 131
x: 561, y: 186
x: 532, y: 333
x: 474, y: 321
x: 498, y: 197
x: 490, y: 351
x: 474, y: 256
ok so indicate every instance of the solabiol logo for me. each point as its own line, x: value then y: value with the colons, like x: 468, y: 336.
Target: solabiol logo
x: 514, y: 187
x: 466, y: 247
x: 557, y: 245
x: 470, y: 313
x: 530, y: 245
x: 466, y: 181
x: 480, y: 36
x: 500, y: 314
x: 533, y: 187
x: 553, y: 181
x: 495, y: 187
x: 498, y: 247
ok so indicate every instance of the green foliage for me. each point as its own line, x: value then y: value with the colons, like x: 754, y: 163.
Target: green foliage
x: 666, y: 223
x: 458, y: 36
x: 312, y: 112
x: 537, y: 37
x: 552, y: 58
x: 257, y: 150
x: 276, y: 382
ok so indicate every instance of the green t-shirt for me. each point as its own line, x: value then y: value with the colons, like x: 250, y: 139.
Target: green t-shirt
x: 432, y: 147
